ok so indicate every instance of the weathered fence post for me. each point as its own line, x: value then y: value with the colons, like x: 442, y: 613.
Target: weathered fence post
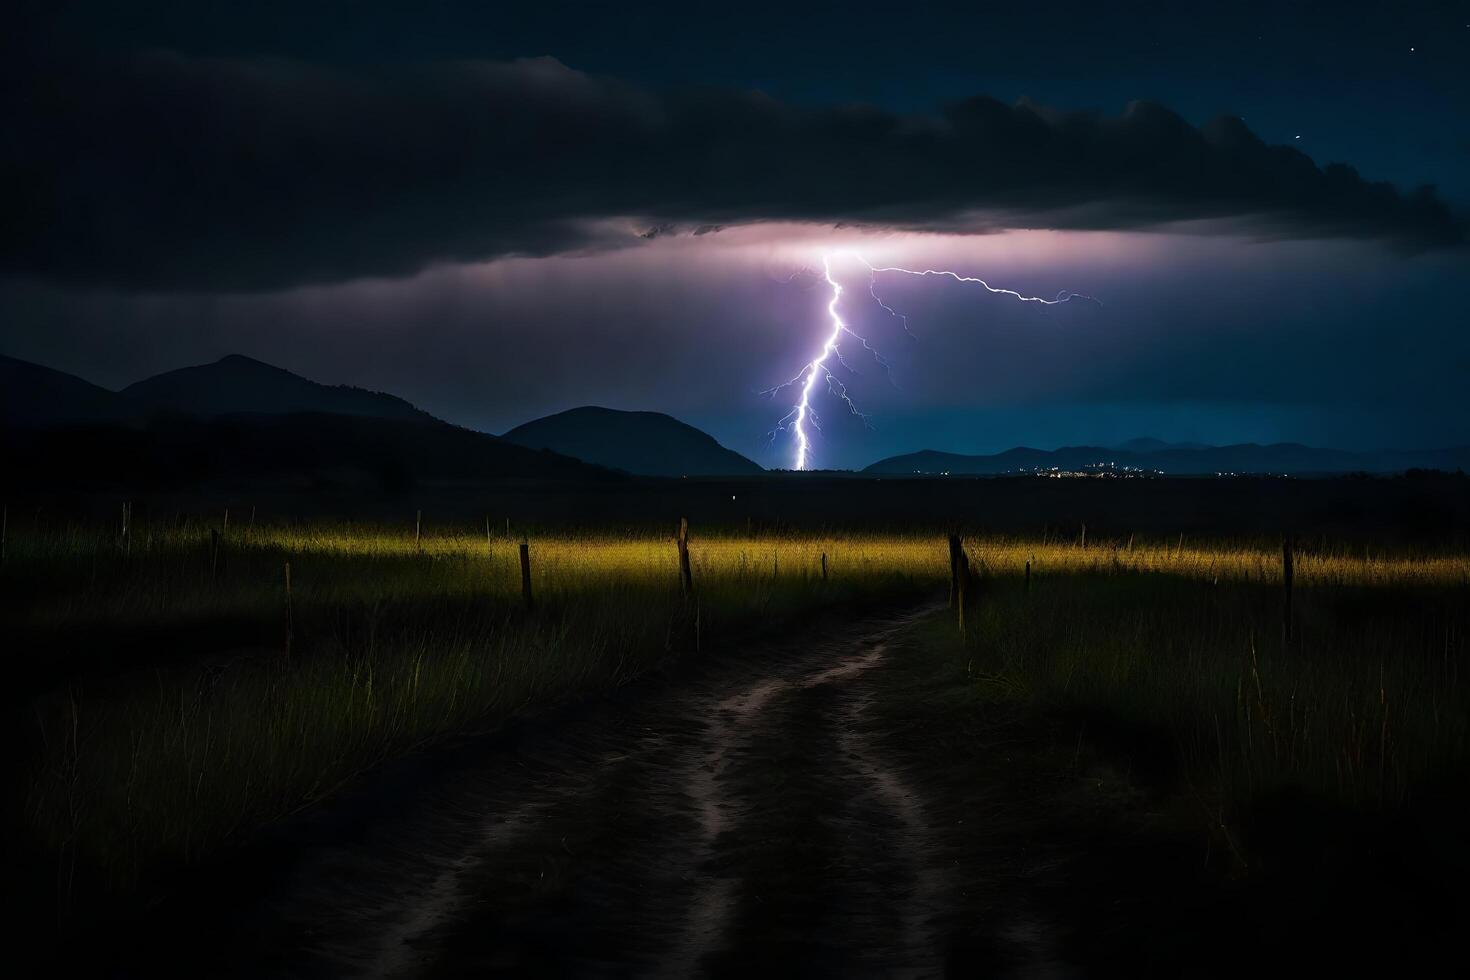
x: 418, y: 526
x: 959, y: 578
x: 526, y: 572
x: 960, y: 605
x: 686, y: 579
x: 968, y: 592
x: 1288, y: 571
x: 824, y: 566
x: 1028, y: 576
x: 288, y: 611
x: 1084, y: 536
x: 954, y: 570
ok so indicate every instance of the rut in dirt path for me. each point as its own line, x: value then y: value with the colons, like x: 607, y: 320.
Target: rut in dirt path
x: 757, y: 892
x: 740, y: 819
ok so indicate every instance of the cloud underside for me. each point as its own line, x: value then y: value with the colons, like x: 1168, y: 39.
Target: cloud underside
x: 173, y: 173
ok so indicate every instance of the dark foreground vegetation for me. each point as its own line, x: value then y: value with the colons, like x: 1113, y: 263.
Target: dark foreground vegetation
x: 1167, y: 789
x: 172, y: 695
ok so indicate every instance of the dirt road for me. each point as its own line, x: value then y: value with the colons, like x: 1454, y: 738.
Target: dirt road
x: 845, y: 801
x: 740, y: 817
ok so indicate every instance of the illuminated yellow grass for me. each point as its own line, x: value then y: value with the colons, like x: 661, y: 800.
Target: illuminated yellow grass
x: 565, y: 558
x: 168, y: 572
x: 397, y: 642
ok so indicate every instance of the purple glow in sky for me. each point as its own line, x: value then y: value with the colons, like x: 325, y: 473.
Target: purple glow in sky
x: 802, y: 422
x: 1210, y: 337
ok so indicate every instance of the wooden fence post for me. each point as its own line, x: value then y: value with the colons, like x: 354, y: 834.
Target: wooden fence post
x: 214, y: 553
x: 967, y: 585
x: 418, y: 525
x: 686, y: 579
x: 288, y: 611
x: 954, y: 570
x: 1288, y: 571
x: 960, y: 605
x: 960, y: 585
x: 824, y: 566
x: 526, y: 572
x: 1028, y: 576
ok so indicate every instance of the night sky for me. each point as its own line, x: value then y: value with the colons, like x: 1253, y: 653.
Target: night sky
x: 502, y: 214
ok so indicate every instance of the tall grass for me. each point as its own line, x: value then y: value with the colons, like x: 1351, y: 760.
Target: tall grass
x: 182, y: 724
x: 1364, y: 707
x: 393, y: 646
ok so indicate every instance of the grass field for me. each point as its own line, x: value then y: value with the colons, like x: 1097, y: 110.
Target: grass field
x: 182, y: 699
x: 1364, y: 708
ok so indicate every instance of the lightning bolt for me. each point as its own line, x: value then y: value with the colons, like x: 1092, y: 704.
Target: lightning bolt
x: 1063, y: 297
x: 802, y: 414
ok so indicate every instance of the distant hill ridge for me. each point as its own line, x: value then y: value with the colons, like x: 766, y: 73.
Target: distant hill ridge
x: 34, y: 398
x: 33, y: 395
x: 236, y: 384
x: 239, y: 419
x: 232, y: 385
x: 1177, y: 460
x: 1148, y: 444
x: 250, y: 394
x: 642, y: 443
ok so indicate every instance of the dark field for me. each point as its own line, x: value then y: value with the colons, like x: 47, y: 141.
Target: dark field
x: 1430, y: 510
x: 1131, y: 758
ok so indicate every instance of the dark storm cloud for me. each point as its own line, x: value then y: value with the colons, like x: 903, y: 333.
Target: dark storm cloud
x: 172, y: 173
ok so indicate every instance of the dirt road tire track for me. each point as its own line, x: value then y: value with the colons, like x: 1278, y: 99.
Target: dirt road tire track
x: 740, y: 818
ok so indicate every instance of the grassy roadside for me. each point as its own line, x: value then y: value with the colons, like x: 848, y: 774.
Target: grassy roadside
x: 1176, y: 788
x: 136, y: 773
x: 182, y: 724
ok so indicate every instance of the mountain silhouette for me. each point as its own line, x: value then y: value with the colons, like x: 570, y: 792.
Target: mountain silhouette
x: 642, y: 443
x: 232, y: 385
x: 302, y: 451
x: 1244, y: 458
x: 1148, y: 444
x: 240, y: 420
x: 236, y: 384
x: 31, y: 394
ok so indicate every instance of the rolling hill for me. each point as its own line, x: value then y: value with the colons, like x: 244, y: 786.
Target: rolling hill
x: 239, y: 420
x: 32, y: 395
x: 295, y: 451
x: 642, y: 443
x: 235, y: 385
